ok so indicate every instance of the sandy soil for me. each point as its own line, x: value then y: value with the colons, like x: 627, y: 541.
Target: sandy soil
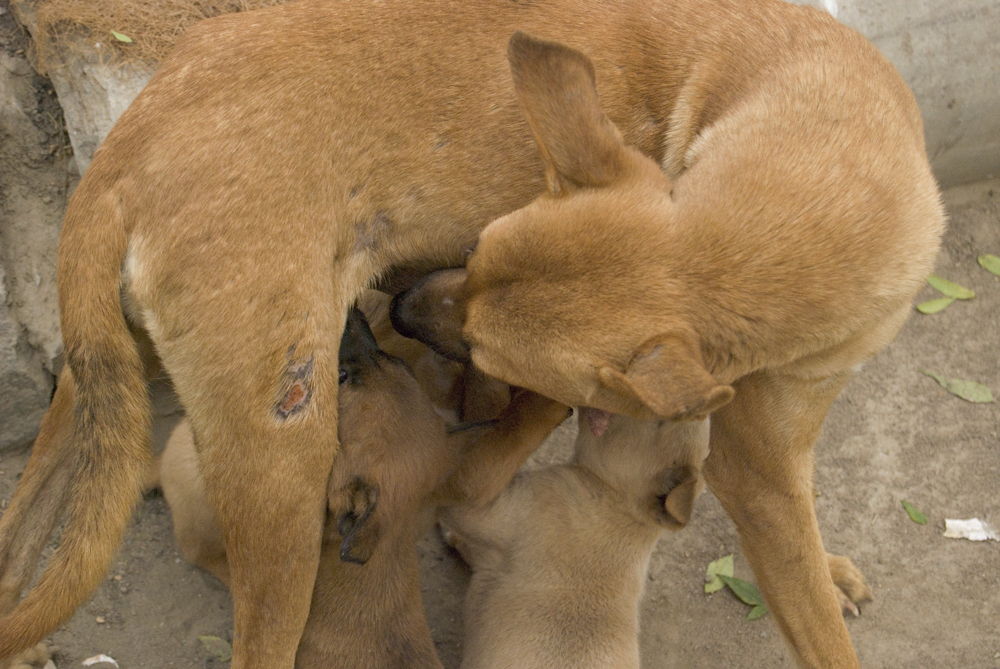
x: 894, y: 434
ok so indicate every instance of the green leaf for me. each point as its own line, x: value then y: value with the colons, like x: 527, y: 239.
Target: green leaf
x: 724, y: 567
x: 934, y: 306
x: 121, y: 38
x: 915, y: 515
x: 218, y: 648
x: 990, y: 263
x: 747, y: 592
x: 756, y: 612
x: 970, y: 391
x: 950, y: 289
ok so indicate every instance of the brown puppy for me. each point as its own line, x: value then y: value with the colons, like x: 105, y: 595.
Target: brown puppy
x: 794, y: 219
x: 281, y: 161
x: 366, y: 610
x: 559, y: 559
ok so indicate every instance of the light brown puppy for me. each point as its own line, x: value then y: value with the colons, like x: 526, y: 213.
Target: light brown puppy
x: 559, y: 559
x: 395, y: 463
x: 281, y: 161
x: 776, y: 246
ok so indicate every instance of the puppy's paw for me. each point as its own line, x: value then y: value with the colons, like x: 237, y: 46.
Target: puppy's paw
x: 36, y: 657
x: 850, y: 582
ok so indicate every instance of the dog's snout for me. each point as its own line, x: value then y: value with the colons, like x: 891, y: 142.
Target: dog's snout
x: 433, y: 312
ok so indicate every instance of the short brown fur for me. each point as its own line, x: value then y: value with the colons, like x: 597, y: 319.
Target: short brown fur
x: 281, y: 161
x: 395, y: 464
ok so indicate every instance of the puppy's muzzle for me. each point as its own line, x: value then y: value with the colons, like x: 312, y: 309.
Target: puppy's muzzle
x: 433, y: 312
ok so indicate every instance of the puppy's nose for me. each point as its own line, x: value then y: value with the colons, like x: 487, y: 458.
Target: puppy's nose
x: 357, y: 343
x: 433, y: 312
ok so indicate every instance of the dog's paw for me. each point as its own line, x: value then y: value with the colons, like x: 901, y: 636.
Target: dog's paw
x: 850, y: 582
x: 37, y: 657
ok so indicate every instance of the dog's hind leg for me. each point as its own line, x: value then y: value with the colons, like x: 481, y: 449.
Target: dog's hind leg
x: 40, y: 499
x: 262, y: 401
x: 761, y: 469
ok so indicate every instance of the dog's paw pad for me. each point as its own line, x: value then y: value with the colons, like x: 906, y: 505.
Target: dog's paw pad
x: 850, y: 582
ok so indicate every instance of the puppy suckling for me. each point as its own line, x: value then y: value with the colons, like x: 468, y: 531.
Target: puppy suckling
x: 559, y: 558
x: 396, y: 461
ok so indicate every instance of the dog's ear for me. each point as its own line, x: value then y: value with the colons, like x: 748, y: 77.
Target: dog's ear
x: 358, y: 529
x: 556, y: 88
x: 666, y: 378
x: 677, y: 490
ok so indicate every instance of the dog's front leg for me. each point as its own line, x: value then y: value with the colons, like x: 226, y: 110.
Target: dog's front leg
x: 761, y: 469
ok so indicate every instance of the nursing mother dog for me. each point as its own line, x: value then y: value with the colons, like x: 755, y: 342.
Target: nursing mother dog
x: 759, y: 166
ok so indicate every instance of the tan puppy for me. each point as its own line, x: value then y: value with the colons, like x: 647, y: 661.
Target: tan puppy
x: 281, y: 161
x: 395, y: 461
x: 800, y: 222
x: 559, y: 559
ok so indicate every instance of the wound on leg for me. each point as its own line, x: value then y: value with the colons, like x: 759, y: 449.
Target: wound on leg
x: 296, y: 398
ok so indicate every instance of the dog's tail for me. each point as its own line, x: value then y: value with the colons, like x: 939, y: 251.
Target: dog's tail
x: 110, y: 417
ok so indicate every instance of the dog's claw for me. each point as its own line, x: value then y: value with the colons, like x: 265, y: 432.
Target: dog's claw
x: 850, y: 582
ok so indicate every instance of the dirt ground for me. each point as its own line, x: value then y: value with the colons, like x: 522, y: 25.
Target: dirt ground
x: 893, y: 434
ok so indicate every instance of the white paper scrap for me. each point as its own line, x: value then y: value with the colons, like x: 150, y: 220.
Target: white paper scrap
x: 972, y: 529
x: 97, y: 659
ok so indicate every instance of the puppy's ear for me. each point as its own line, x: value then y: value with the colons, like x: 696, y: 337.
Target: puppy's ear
x: 678, y: 488
x: 666, y: 378
x: 358, y: 529
x: 557, y: 90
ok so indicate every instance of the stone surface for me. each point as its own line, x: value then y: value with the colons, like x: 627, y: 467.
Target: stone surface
x: 33, y: 183
x: 93, y: 88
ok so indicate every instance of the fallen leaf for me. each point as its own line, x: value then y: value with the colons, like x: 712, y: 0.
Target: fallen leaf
x: 934, y: 306
x: 950, y: 289
x: 915, y: 515
x: 970, y: 391
x: 724, y: 567
x: 747, y: 592
x: 120, y: 37
x: 990, y: 263
x: 217, y: 647
x: 756, y: 612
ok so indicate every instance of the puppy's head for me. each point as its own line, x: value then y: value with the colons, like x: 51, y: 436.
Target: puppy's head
x: 394, y: 449
x: 573, y: 295
x: 657, y: 465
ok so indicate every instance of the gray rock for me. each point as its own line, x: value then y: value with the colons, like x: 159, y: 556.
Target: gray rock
x: 25, y: 386
x: 33, y: 185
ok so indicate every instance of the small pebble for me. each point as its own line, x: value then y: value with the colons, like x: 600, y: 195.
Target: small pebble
x: 118, y: 577
x: 100, y: 620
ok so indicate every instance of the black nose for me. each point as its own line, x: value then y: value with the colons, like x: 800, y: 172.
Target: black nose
x: 433, y: 312
x: 358, y: 349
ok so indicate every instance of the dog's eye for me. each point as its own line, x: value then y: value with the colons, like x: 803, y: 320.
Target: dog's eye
x: 343, y: 375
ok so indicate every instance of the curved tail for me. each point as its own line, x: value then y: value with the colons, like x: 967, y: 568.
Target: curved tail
x: 110, y: 417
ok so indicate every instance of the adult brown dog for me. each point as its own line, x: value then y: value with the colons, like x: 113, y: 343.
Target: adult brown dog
x: 366, y: 609
x: 799, y: 223
x: 560, y: 557
x: 280, y: 161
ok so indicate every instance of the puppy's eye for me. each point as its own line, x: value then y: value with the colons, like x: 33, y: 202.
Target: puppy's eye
x: 343, y: 376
